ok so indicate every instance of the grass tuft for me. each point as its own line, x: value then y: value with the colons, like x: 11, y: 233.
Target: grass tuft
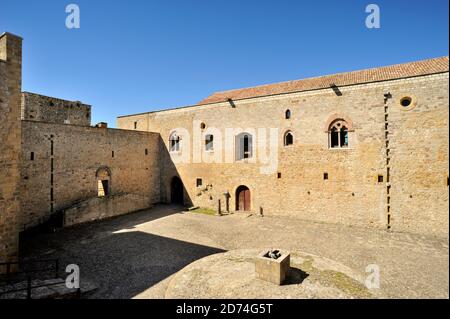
x: 203, y: 210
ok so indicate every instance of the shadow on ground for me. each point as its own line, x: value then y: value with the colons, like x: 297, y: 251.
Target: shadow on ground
x: 295, y: 276
x: 121, y: 261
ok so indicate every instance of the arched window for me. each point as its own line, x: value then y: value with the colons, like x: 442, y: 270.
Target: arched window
x: 338, y: 134
x: 244, y: 146
x: 174, y: 142
x: 288, y: 138
x: 287, y: 114
x: 209, y: 142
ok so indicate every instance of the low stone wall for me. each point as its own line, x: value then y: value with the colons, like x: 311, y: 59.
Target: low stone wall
x: 103, y: 207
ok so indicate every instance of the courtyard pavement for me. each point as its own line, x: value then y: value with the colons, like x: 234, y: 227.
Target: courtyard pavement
x: 136, y: 255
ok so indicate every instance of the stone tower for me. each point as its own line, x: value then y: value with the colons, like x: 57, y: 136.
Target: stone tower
x: 10, y: 145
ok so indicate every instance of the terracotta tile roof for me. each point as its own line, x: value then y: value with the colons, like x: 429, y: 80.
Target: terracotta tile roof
x: 436, y: 65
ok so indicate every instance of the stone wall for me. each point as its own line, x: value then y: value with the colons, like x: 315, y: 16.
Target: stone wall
x: 36, y: 107
x: 62, y: 163
x: 355, y: 192
x: 10, y: 89
x: 98, y: 208
x: 418, y: 138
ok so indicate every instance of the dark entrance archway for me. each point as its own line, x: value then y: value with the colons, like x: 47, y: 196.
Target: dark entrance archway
x: 243, y: 199
x: 176, y: 191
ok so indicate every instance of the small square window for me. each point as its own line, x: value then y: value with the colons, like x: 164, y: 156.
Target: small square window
x: 199, y: 182
x: 380, y: 178
x: 325, y: 176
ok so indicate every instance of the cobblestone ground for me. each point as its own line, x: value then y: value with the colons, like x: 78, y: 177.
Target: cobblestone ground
x: 136, y: 255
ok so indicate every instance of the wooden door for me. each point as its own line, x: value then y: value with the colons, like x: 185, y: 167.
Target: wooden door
x: 243, y: 201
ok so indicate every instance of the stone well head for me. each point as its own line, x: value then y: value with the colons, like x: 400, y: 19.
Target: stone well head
x: 273, y: 266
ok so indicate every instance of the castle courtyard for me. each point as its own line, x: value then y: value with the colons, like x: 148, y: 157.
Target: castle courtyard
x: 146, y: 255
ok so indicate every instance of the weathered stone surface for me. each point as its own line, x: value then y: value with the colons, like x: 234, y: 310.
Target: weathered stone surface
x: 70, y: 172
x: 231, y: 275
x: 10, y: 138
x: 137, y: 254
x: 40, y: 108
x: 272, y: 270
x: 412, y: 157
x: 103, y: 207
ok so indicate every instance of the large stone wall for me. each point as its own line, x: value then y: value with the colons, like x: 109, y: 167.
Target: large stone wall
x: 353, y: 193
x: 10, y: 88
x: 418, y: 137
x: 62, y: 170
x: 36, y: 107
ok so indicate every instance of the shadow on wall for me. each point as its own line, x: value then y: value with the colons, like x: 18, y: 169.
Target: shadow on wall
x: 173, y: 189
x: 119, y: 260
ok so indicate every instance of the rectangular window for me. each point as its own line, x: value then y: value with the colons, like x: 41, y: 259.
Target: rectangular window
x: 279, y: 175
x: 246, y: 147
x: 199, y: 182
x: 325, y: 176
x: 243, y: 146
x: 146, y: 151
x: 32, y: 156
x: 344, y: 138
x: 380, y: 178
x: 334, y: 139
x: 103, y: 188
x: 209, y: 142
x: 135, y: 125
x: 112, y: 154
x: 175, y: 145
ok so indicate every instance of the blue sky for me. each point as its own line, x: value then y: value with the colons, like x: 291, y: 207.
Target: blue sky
x: 137, y: 56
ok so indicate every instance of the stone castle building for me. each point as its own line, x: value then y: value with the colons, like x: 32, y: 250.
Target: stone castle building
x: 366, y: 148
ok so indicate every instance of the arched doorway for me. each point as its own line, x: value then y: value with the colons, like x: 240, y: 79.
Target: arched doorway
x: 243, y: 198
x: 103, y: 176
x: 176, y: 191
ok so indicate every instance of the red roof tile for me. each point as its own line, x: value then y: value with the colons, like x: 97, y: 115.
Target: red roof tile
x: 431, y: 66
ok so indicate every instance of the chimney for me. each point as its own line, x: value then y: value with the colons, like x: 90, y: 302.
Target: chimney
x: 102, y: 125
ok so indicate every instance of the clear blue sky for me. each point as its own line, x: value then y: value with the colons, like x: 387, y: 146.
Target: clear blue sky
x: 137, y: 56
